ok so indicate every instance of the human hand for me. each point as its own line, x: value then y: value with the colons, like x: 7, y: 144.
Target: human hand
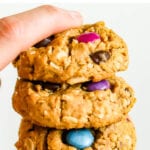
x: 19, y: 32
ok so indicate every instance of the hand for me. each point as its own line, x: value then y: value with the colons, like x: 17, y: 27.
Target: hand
x: 20, y: 31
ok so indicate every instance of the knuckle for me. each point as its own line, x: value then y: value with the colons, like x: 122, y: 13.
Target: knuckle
x: 50, y: 8
x: 7, y: 27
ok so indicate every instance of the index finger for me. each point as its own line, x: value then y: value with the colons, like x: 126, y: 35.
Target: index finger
x: 19, y: 32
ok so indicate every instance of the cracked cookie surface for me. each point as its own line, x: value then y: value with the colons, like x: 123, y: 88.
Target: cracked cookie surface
x: 66, y: 60
x: 118, y: 136
x: 71, y: 106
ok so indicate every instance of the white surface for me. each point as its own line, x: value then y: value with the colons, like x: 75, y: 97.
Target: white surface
x: 76, y: 1
x: 132, y: 22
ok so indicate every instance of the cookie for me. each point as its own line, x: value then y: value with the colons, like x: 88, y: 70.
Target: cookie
x: 73, y: 106
x: 90, y: 52
x: 118, y: 136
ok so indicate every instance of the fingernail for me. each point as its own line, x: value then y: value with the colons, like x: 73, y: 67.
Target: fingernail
x: 76, y: 15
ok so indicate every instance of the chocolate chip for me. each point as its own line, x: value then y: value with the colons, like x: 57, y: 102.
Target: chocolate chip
x: 51, y: 86
x: 100, y: 56
x: 46, y: 85
x: 44, y: 42
x: 85, y: 84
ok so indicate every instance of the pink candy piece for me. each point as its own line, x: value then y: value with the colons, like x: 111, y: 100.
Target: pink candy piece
x: 88, y: 37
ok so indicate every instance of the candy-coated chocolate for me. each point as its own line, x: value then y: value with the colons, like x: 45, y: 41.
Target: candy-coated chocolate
x: 101, y: 85
x: 80, y: 138
x: 88, y: 37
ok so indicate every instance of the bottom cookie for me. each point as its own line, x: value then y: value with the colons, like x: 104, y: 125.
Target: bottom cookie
x: 118, y: 136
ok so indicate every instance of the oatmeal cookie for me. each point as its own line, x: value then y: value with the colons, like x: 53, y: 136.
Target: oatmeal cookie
x: 73, y: 106
x: 90, y: 52
x: 118, y: 136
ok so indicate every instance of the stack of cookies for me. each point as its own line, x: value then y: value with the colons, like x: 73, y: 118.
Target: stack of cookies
x: 69, y: 95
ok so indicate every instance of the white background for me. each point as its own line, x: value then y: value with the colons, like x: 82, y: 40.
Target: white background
x: 130, y: 21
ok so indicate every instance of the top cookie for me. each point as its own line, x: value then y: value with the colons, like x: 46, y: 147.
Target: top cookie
x: 90, y: 52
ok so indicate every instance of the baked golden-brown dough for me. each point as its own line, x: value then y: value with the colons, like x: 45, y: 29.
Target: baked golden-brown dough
x: 118, y: 136
x: 71, y: 106
x: 65, y: 60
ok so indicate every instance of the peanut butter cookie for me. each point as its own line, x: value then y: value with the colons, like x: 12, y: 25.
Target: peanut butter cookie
x: 90, y: 52
x: 64, y: 106
x: 118, y: 136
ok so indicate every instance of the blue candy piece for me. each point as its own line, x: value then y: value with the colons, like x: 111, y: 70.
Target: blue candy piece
x: 80, y: 138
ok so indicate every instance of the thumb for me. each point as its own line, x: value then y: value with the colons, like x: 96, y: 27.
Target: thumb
x: 20, y: 31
